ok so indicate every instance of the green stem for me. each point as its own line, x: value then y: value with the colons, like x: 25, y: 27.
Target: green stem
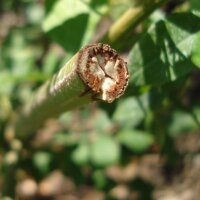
x: 95, y: 72
x: 130, y: 20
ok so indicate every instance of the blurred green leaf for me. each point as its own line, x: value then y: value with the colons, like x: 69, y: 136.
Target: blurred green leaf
x: 18, y: 55
x: 183, y: 122
x: 61, y: 11
x: 99, y: 178
x: 118, y: 7
x: 50, y: 62
x: 195, y: 4
x: 164, y: 53
x: 49, y: 4
x: 5, y: 107
x: 34, y: 13
x: 196, y: 51
x: 196, y: 114
x: 71, y: 23
x: 6, y: 82
x: 42, y: 161
x: 102, y: 122
x: 105, y: 150
x: 130, y: 111
x: 6, y: 198
x: 136, y: 140
x: 81, y: 154
x: 65, y: 139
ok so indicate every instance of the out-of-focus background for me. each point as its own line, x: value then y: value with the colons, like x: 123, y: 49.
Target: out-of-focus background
x: 144, y: 145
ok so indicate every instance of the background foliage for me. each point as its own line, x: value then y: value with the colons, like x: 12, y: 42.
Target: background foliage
x: 100, y: 151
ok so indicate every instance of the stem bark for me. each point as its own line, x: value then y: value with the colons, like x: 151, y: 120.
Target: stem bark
x: 95, y: 72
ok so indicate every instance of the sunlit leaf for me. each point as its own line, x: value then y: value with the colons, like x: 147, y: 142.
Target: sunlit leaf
x: 135, y: 140
x: 183, y: 122
x: 81, y: 154
x: 105, y: 151
x: 102, y: 123
x: 164, y: 53
x: 71, y: 23
x: 42, y: 160
x: 131, y: 111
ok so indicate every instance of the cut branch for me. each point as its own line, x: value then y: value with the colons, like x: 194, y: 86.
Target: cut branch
x: 95, y: 72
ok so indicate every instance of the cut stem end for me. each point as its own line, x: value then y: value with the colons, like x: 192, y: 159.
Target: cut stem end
x: 103, y: 70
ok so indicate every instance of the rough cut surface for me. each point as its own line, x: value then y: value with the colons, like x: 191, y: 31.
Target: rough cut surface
x: 103, y: 70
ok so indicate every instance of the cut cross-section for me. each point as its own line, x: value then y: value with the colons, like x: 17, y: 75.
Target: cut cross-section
x: 103, y: 70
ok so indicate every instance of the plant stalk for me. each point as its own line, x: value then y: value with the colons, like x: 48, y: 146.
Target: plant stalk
x: 95, y: 72
x: 130, y: 20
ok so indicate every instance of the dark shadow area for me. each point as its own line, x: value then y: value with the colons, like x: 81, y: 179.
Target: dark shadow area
x: 96, y: 3
x: 49, y: 4
x: 186, y: 21
x: 70, y: 34
x: 154, y: 68
x: 145, y: 189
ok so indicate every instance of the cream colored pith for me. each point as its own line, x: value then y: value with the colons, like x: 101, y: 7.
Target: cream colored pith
x: 106, y: 71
